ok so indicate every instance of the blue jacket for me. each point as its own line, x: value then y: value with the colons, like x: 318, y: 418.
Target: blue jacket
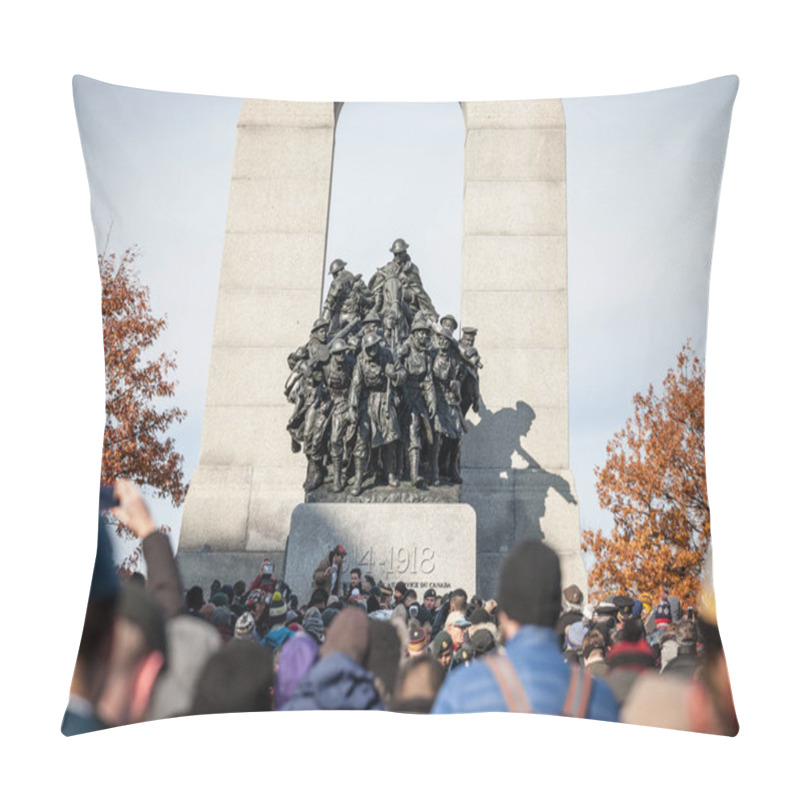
x: 336, y: 682
x: 542, y: 671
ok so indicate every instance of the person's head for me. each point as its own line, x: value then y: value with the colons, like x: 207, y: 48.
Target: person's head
x: 418, y: 683
x: 319, y: 599
x: 313, y: 624
x: 594, y: 643
x: 138, y: 654
x: 417, y: 641
x: 372, y: 345
x: 429, y: 599
x: 399, y: 249
x: 277, y: 610
x: 456, y: 625
x: 449, y: 321
x: 369, y: 583
x: 420, y: 332
x: 573, y: 598
x: 338, y: 351
x: 338, y: 555
x: 355, y: 576
x: 371, y: 323
x: 337, y: 266
x: 257, y: 603
x: 410, y: 597
x: 458, y: 600
x: 348, y: 634
x: 319, y: 330
x: 530, y: 587
x: 400, y: 591
x: 237, y: 678
x: 442, y: 648
x: 468, y: 336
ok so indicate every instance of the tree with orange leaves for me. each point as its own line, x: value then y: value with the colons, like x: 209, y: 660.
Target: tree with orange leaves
x: 135, y: 442
x: 654, y: 485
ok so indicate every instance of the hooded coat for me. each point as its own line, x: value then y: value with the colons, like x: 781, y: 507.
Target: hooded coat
x: 336, y: 682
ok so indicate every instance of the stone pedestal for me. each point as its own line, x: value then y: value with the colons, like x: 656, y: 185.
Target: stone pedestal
x: 424, y: 545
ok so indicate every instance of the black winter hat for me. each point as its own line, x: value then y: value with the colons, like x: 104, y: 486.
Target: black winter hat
x: 530, y: 584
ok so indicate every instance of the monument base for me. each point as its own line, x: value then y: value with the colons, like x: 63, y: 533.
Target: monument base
x: 201, y: 567
x: 427, y: 545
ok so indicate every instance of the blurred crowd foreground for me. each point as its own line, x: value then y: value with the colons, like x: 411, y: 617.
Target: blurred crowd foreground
x: 150, y: 651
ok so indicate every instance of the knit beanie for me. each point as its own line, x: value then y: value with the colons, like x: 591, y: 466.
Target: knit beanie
x: 312, y: 623
x: 220, y: 599
x: 245, y: 627
x: 277, y: 607
x: 530, y: 584
x: 663, y: 615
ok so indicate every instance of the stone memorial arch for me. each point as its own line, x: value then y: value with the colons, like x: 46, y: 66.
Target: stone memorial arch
x: 515, y: 458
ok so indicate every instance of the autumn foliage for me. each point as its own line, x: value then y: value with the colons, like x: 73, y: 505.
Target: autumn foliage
x: 654, y: 485
x: 135, y: 442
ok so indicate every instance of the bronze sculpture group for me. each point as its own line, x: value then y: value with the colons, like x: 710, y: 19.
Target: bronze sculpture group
x: 381, y: 389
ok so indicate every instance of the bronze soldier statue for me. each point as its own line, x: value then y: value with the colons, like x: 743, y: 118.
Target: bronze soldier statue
x: 368, y: 389
x: 376, y: 382
x: 449, y: 422
x: 412, y: 297
x: 338, y: 377
x: 420, y: 397
x: 468, y: 372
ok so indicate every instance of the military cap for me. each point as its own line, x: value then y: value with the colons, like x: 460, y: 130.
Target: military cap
x: 468, y: 330
x: 338, y: 346
x: 371, y: 339
x: 398, y: 246
x: 373, y: 316
x: 420, y: 324
x: 320, y: 323
x: 429, y: 593
x: 337, y: 266
x: 449, y: 318
x: 442, y: 644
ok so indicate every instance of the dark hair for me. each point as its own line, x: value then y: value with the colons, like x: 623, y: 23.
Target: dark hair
x: 434, y: 677
x: 370, y: 579
x: 594, y: 640
x: 357, y: 570
x: 632, y: 630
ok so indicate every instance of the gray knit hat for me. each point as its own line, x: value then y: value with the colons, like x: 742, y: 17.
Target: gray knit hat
x: 312, y: 623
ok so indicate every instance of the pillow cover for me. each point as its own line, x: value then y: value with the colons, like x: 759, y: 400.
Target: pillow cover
x: 521, y: 429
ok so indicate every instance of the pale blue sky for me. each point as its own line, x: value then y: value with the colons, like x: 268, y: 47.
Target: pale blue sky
x: 643, y: 175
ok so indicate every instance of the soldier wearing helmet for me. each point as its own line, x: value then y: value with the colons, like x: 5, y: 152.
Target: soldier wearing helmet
x: 373, y: 410
x: 338, y: 377
x: 415, y: 298
x: 338, y: 293
x: 420, y: 397
x: 449, y: 424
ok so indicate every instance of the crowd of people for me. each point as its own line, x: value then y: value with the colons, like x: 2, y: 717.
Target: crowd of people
x: 150, y: 650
